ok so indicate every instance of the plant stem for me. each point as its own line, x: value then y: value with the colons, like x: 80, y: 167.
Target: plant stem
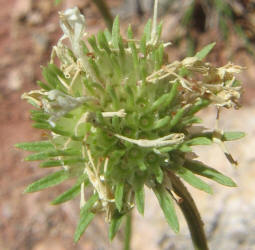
x: 128, y: 231
x: 105, y: 12
x: 190, y: 212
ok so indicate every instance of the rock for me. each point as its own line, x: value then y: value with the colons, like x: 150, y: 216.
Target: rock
x: 22, y: 8
x: 15, y: 80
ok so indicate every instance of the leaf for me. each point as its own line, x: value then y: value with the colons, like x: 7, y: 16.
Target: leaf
x: 199, y: 141
x: 162, y: 122
x: 55, y: 163
x: 193, y: 180
x: 88, y: 205
x: 42, y: 125
x: 199, y: 168
x: 85, y: 217
x: 103, y: 42
x: 139, y: 199
x: 68, y: 195
x: 147, y: 30
x: 116, y: 32
x: 176, y: 119
x: 167, y: 206
x: 43, y: 85
x: 82, y: 225
x: 115, y: 224
x: 233, y: 135
x: 35, y: 146
x: 48, y: 181
x: 201, y: 103
x: 119, y: 191
x: 51, y: 153
x: 205, y: 51
x: 158, y: 173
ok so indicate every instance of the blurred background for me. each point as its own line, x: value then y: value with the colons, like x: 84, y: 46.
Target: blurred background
x: 28, y: 31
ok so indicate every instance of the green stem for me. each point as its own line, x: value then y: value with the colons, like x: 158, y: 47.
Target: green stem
x: 190, y: 212
x: 128, y: 231
x: 105, y: 12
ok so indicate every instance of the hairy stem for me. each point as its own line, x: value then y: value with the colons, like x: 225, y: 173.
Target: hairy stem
x: 128, y: 231
x: 105, y: 12
x: 190, y: 212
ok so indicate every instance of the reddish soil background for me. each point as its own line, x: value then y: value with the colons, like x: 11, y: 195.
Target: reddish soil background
x: 27, y: 32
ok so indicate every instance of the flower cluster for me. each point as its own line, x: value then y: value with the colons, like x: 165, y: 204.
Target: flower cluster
x: 118, y: 117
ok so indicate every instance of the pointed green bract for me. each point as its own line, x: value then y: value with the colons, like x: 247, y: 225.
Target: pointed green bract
x: 231, y: 136
x: 119, y: 192
x: 86, y: 216
x: 48, y: 181
x: 193, y: 180
x: 68, y: 195
x: 139, y: 199
x: 167, y: 206
x: 52, y: 153
x: 199, y: 168
x: 35, y: 146
x: 205, y: 51
x: 199, y: 141
x: 147, y: 30
x: 82, y: 225
x: 116, y: 32
x: 115, y: 224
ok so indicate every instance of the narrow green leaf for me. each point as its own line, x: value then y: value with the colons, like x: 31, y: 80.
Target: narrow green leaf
x: 167, y: 206
x: 115, y: 224
x: 82, y: 225
x: 85, y: 217
x: 92, y: 41
x: 162, y: 122
x: 43, y: 85
x: 51, y: 163
x: 42, y: 125
x: 68, y: 195
x: 205, y: 51
x: 89, y: 203
x: 108, y: 35
x: 119, y: 191
x: 185, y: 148
x: 60, y: 131
x: 50, y: 77
x: 159, y: 30
x: 55, y: 163
x: 52, y: 153
x: 84, y: 47
x: 158, y: 173
x: 132, y: 46
x: 166, y: 99
x: 143, y: 45
x: 35, y: 146
x: 147, y: 30
x: 48, y: 181
x: 139, y: 199
x: 167, y: 149
x: 199, y: 141
x: 116, y: 32
x: 233, y: 135
x: 193, y: 180
x: 103, y: 42
x: 199, y: 168
x: 176, y: 119
x: 200, y: 104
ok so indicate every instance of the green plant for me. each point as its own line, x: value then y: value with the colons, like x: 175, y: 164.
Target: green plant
x: 119, y: 117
